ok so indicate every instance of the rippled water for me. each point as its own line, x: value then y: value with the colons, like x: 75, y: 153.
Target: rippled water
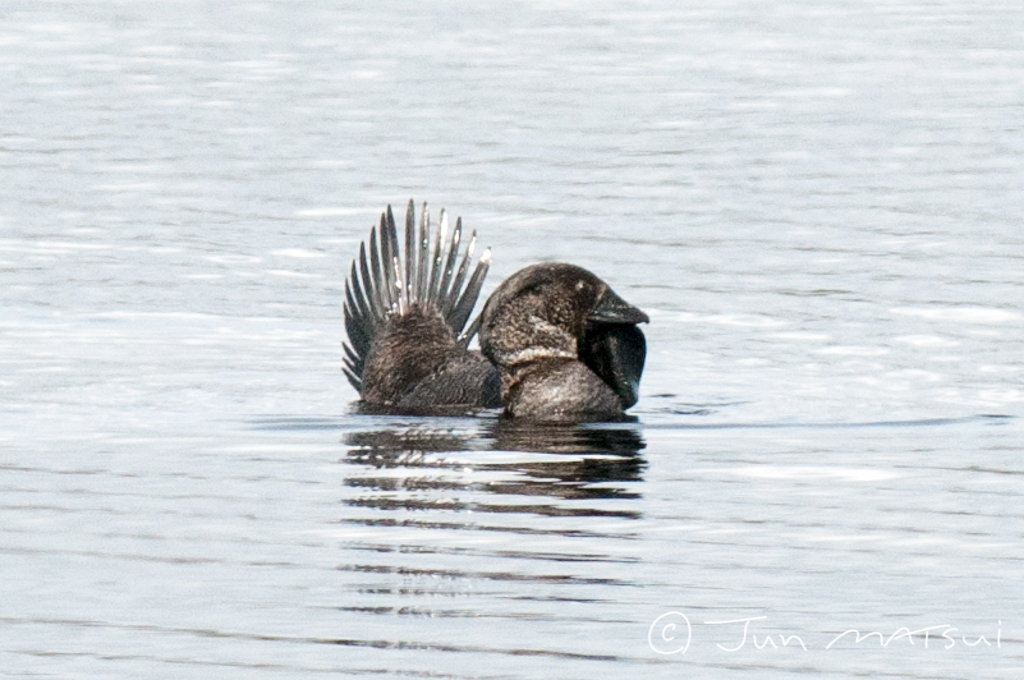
x: 819, y: 205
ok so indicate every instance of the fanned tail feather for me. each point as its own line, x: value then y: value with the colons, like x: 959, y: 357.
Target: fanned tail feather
x: 386, y: 283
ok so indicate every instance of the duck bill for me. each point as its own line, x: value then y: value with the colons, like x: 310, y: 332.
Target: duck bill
x: 616, y: 353
x: 611, y: 309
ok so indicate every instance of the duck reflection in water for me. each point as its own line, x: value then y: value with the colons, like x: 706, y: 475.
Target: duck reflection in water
x: 599, y: 462
x: 557, y: 344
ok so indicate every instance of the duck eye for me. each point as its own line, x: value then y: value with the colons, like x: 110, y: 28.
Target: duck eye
x: 580, y: 285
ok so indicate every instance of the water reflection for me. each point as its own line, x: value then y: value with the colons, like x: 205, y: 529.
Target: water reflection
x: 554, y: 462
x: 620, y: 439
x: 487, y: 519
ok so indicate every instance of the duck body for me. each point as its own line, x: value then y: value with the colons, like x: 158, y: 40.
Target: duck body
x: 557, y: 343
x: 558, y: 390
x: 418, y: 365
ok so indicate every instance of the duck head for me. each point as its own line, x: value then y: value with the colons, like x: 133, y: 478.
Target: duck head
x: 561, y: 311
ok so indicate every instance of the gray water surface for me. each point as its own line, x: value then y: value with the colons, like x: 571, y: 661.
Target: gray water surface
x: 818, y: 204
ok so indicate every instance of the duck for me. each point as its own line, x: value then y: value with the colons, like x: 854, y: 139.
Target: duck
x: 556, y: 343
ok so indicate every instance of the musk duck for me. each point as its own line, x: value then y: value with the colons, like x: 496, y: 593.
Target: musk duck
x: 557, y: 344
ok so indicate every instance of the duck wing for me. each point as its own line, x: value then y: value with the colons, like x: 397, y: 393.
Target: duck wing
x: 386, y: 281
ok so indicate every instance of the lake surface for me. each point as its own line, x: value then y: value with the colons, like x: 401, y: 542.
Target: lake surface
x: 820, y: 206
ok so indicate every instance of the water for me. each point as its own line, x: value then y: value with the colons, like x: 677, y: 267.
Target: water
x: 819, y: 207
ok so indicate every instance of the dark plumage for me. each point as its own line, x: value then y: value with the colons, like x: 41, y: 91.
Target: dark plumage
x: 405, y: 320
x: 558, y: 345
x: 566, y: 345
